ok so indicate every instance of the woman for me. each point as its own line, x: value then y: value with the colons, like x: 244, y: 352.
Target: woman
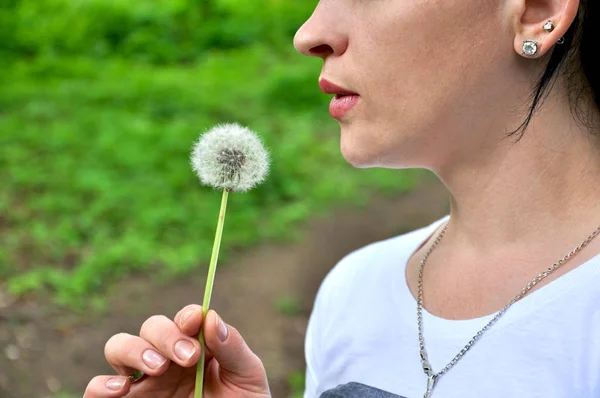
x: 490, y: 302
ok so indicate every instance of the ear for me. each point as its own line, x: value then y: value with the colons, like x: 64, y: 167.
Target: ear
x: 529, y: 18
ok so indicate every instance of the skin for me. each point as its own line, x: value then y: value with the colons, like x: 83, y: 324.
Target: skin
x: 231, y: 369
x: 440, y: 84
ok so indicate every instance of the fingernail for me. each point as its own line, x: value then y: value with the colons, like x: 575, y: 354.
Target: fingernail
x: 184, y: 349
x: 153, y: 359
x: 115, y: 384
x: 222, y: 331
x: 186, y: 316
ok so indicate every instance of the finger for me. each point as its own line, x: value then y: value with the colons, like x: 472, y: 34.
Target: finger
x: 127, y: 353
x: 164, y: 334
x: 107, y: 387
x: 189, y: 320
x: 237, y: 363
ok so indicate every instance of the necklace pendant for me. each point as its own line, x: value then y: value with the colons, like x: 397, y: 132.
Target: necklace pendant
x: 431, y: 380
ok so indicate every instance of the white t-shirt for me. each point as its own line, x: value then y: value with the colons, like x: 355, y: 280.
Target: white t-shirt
x: 362, y: 336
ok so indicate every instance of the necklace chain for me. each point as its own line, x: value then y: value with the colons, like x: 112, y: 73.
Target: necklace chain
x: 433, y: 377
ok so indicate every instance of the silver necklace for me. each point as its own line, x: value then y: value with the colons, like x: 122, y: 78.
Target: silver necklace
x: 432, y: 377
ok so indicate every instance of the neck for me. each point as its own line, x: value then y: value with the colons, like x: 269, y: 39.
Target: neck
x: 513, y: 192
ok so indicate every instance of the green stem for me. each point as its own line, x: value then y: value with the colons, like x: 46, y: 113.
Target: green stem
x: 208, y: 293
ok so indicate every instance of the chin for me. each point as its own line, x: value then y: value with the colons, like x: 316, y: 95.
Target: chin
x: 359, y: 156
x: 363, y: 149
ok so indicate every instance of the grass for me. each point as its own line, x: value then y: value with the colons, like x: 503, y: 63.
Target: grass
x: 96, y: 180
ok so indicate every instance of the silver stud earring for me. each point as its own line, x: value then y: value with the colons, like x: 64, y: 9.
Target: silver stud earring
x: 549, y: 26
x: 530, y: 48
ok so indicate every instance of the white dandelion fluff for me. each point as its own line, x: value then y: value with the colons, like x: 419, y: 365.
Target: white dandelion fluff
x: 231, y: 157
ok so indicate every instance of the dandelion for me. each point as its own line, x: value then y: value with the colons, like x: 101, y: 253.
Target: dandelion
x: 232, y: 158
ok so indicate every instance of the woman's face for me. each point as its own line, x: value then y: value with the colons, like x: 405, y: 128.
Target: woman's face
x: 432, y: 76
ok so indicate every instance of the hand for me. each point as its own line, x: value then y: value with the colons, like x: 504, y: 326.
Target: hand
x: 167, y: 352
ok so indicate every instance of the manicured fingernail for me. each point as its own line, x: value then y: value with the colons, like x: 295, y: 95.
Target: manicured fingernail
x: 222, y: 331
x: 184, y: 349
x: 185, y: 317
x: 115, y: 384
x: 153, y: 359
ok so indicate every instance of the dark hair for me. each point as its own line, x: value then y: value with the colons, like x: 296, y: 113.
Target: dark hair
x: 577, y: 57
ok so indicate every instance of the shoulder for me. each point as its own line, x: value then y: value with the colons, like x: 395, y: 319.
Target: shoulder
x: 360, y: 284
x: 377, y: 258
x: 365, y: 269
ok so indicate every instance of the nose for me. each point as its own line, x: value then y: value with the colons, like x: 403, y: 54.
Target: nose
x: 321, y: 36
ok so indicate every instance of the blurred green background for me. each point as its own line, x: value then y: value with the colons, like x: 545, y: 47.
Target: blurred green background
x: 100, y: 102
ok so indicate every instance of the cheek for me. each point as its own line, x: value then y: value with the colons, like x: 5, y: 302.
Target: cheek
x: 419, y: 65
x: 419, y: 56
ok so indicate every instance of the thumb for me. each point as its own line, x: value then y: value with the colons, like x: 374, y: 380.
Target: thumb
x: 237, y: 363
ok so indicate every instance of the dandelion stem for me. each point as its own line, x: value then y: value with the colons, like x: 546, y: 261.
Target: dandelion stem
x: 208, y: 293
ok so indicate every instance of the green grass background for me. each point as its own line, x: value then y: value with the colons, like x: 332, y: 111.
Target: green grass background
x: 100, y: 102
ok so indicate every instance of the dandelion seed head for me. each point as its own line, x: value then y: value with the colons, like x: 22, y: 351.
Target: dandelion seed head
x: 230, y: 156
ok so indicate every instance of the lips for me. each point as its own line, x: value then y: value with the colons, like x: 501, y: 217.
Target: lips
x: 329, y: 88
x: 343, y: 101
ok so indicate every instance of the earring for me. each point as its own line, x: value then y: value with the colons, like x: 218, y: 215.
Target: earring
x: 530, y: 47
x: 549, y: 26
